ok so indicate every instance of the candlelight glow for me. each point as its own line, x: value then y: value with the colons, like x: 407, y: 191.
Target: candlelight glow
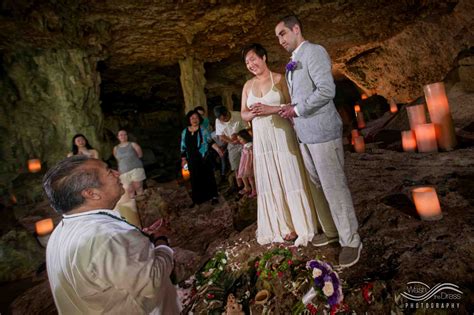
x: 363, y: 96
x: 359, y: 144
x: 440, y: 115
x: 44, y: 227
x: 427, y: 203
x: 185, y: 173
x: 426, y: 138
x: 393, y: 106
x: 416, y: 115
x: 408, y: 141
x: 34, y: 165
x: 356, y: 108
x: 354, y: 134
x: 360, y: 120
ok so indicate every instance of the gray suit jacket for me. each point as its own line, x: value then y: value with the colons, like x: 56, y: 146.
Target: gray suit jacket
x: 312, y: 90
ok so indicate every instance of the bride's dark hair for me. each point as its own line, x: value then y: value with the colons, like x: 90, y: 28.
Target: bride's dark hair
x: 257, y: 48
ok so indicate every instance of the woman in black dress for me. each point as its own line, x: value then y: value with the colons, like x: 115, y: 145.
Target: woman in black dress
x: 195, y: 141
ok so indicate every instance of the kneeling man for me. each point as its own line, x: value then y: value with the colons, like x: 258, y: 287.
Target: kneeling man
x: 97, y: 262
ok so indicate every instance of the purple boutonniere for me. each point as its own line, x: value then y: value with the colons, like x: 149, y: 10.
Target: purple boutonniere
x: 290, y: 66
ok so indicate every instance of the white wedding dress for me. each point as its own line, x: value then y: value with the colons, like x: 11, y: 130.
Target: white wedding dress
x: 284, y: 201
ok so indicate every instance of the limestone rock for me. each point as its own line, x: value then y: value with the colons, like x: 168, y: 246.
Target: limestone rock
x: 20, y: 255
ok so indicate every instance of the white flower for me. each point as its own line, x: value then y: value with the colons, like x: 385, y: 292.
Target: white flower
x: 328, y: 289
x: 210, y: 282
x: 221, y: 268
x: 317, y: 272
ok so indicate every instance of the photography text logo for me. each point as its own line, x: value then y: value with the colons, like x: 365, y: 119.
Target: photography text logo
x: 442, y: 295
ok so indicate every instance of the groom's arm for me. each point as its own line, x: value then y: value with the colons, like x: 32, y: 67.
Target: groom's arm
x: 319, y: 67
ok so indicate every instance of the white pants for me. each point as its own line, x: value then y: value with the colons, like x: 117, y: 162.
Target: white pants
x: 325, y: 165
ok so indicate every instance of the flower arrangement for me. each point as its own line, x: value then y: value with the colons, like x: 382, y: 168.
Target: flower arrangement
x: 326, y: 284
x: 212, y: 270
x: 274, y: 263
x: 291, y: 66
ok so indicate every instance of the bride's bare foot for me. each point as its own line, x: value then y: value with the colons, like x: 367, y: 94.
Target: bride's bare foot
x: 290, y: 237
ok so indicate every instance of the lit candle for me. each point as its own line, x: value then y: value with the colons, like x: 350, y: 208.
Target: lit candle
x: 44, y: 227
x: 416, y: 115
x: 359, y: 144
x: 360, y: 120
x: 363, y: 96
x: 354, y: 134
x: 356, y: 108
x: 13, y: 199
x: 426, y: 138
x: 34, y: 165
x: 408, y: 141
x: 438, y: 107
x: 393, y: 106
x: 185, y: 173
x: 427, y: 203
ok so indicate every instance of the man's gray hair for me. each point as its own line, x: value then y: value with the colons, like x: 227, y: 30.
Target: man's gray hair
x: 64, y: 183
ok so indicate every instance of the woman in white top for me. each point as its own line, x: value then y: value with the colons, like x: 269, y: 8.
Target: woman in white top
x: 286, y: 210
x: 80, y: 146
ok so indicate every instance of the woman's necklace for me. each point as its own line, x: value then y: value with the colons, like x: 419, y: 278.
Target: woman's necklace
x: 193, y: 129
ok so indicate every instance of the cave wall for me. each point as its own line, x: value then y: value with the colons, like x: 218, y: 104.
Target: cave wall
x: 424, y: 52
x: 46, y: 96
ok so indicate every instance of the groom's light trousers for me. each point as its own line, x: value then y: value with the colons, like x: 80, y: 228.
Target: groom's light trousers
x: 325, y: 165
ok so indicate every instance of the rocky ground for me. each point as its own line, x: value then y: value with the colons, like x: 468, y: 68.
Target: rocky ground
x: 398, y: 246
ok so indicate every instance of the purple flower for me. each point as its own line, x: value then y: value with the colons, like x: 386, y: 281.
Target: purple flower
x: 290, y: 66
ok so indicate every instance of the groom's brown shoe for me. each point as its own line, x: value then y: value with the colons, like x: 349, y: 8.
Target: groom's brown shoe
x: 322, y: 240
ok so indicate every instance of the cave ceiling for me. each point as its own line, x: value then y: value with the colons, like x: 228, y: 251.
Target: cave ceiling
x: 138, y: 43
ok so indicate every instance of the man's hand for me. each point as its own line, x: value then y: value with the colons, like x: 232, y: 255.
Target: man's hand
x: 287, y: 111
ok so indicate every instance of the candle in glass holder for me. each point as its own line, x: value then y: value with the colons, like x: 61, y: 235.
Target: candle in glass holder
x: 44, y: 227
x: 408, y: 141
x: 354, y: 134
x: 393, y: 106
x: 427, y: 203
x: 426, y: 138
x: 34, y: 165
x: 438, y: 107
x: 359, y: 144
x: 416, y: 115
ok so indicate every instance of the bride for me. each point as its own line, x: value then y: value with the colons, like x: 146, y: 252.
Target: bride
x: 286, y: 210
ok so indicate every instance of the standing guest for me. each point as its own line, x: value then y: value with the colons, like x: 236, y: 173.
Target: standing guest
x: 80, y: 146
x: 205, y: 120
x: 195, y: 142
x: 285, y: 205
x: 227, y: 125
x: 222, y: 164
x: 128, y: 156
x: 246, y: 164
x: 98, y: 263
x: 319, y: 129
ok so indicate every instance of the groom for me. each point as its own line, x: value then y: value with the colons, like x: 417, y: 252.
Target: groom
x: 319, y: 130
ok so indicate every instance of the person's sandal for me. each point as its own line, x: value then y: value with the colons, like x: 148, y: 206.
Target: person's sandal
x: 290, y: 237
